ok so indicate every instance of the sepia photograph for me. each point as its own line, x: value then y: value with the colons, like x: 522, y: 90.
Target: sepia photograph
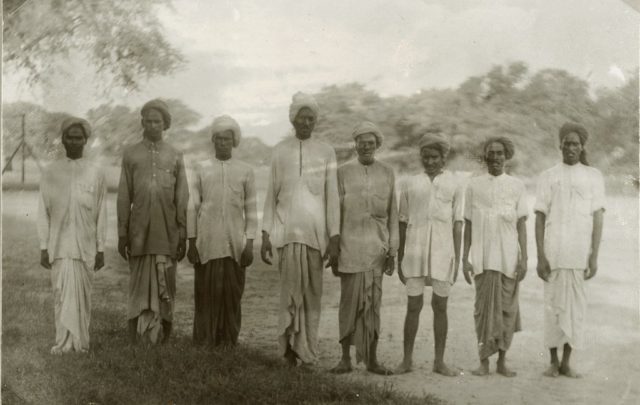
x: 320, y: 202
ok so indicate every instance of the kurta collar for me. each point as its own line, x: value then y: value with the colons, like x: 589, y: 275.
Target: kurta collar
x: 149, y: 144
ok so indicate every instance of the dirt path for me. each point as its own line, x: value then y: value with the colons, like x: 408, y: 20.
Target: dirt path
x: 610, y: 362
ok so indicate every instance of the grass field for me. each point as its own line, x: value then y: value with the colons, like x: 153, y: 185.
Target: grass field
x: 116, y: 373
x: 180, y: 373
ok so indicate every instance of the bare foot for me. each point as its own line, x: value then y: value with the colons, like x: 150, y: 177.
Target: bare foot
x: 344, y: 366
x: 502, y: 369
x: 290, y: 358
x: 444, y: 370
x: 552, y: 371
x: 481, y: 371
x: 569, y: 372
x: 404, y: 367
x: 379, y: 369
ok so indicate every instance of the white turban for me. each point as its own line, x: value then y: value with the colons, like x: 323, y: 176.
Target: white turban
x: 224, y: 123
x: 367, y: 127
x: 437, y: 141
x: 299, y: 101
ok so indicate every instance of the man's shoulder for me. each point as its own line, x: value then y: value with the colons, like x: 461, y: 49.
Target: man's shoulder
x: 348, y: 166
x: 241, y: 165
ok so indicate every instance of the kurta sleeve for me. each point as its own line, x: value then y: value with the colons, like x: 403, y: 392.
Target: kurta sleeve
x: 44, y: 220
x: 522, y: 209
x: 598, y: 200
x: 195, y: 201
x: 101, y: 203
x: 125, y: 195
x: 332, y: 197
x: 250, y: 206
x: 393, y: 226
x: 268, y: 214
x: 543, y: 195
x: 181, y: 198
x: 458, y: 202
x: 468, y: 203
x: 403, y: 211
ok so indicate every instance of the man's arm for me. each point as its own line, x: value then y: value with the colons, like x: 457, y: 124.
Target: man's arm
x: 596, y: 236
x: 250, y: 217
x: 332, y: 213
x: 457, y: 241
x: 123, y: 209
x: 521, y: 267
x: 101, y: 225
x: 193, y: 207
x: 543, y: 267
x: 181, y: 198
x: 467, y: 268
x: 44, y: 222
x: 268, y: 213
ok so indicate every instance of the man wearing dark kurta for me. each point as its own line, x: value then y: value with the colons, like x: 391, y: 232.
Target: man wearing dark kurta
x: 368, y: 246
x: 152, y: 228
x: 221, y: 222
x: 495, y: 238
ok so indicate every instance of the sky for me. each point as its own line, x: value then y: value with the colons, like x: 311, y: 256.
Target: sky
x: 246, y: 58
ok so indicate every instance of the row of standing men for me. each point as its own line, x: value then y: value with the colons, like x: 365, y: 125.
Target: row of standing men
x: 315, y: 212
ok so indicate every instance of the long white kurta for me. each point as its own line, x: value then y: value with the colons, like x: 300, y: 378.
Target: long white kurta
x: 71, y: 226
x: 494, y: 204
x: 568, y: 196
x: 430, y: 208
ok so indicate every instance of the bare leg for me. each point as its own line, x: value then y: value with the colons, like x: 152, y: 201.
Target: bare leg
x: 290, y: 356
x: 374, y: 366
x: 167, y: 327
x: 483, y: 369
x: 132, y: 326
x: 502, y: 366
x: 554, y: 368
x: 565, y: 367
x: 440, y: 326
x: 411, y: 322
x: 344, y: 366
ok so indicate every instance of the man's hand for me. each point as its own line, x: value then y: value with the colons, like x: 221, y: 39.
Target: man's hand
x: 266, y: 252
x: 389, y: 265
x: 99, y: 262
x: 247, y: 254
x: 543, y: 268
x: 182, y: 249
x: 44, y: 259
x: 401, y: 276
x: 521, y: 269
x: 192, y: 254
x: 590, y: 271
x: 467, y: 271
x: 332, y: 253
x: 123, y: 247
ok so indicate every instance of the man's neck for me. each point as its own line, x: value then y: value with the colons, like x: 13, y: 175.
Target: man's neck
x: 223, y: 157
x: 366, y: 162
x: 434, y: 175
x: 153, y: 140
x: 74, y: 157
x: 303, y: 137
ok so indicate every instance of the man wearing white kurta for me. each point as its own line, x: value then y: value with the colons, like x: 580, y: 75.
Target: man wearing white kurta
x: 72, y: 231
x: 302, y: 219
x: 495, y: 234
x: 431, y: 215
x: 569, y: 216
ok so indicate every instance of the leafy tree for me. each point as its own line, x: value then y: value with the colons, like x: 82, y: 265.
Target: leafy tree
x: 122, y: 40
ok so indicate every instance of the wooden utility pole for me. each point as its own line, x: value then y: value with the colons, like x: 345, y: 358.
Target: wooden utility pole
x: 24, y: 150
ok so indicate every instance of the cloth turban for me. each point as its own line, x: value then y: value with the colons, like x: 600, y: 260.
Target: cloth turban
x: 570, y: 127
x: 71, y: 121
x: 161, y: 106
x: 224, y: 123
x: 436, y: 141
x: 366, y: 127
x: 509, y: 149
x: 299, y: 101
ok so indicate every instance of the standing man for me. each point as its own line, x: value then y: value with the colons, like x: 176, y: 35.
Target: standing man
x: 368, y: 246
x: 495, y: 226
x: 222, y: 221
x: 72, y: 231
x: 431, y: 215
x: 569, y: 215
x: 152, y: 226
x: 302, y: 218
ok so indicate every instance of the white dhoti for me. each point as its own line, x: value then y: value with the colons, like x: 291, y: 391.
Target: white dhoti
x: 565, y: 307
x: 71, y: 280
